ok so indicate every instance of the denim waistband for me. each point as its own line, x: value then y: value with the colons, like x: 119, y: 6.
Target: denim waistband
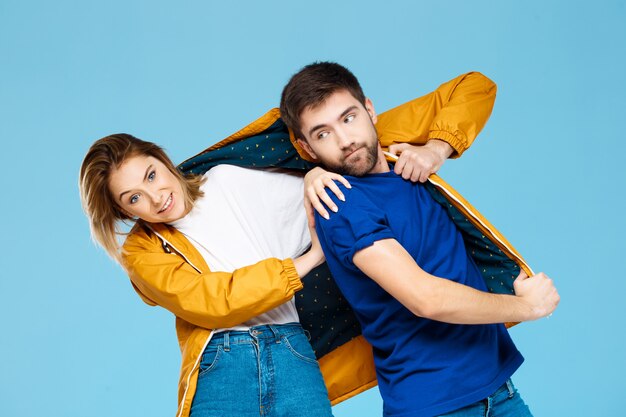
x: 265, y: 332
x: 507, y: 386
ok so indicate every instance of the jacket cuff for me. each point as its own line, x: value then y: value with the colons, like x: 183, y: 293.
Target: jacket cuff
x: 295, y: 284
x: 458, y: 144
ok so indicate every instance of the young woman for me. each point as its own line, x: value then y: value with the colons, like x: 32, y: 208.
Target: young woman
x: 235, y: 245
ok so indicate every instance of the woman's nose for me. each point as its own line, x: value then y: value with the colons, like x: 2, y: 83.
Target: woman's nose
x: 156, y: 198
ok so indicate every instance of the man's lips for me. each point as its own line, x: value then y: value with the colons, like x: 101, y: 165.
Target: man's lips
x: 351, y: 152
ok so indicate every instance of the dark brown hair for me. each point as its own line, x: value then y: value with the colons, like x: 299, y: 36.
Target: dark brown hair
x: 311, y: 86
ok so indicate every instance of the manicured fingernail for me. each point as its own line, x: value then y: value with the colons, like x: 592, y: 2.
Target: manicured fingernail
x: 342, y: 198
x: 326, y: 216
x: 334, y: 208
x: 348, y: 186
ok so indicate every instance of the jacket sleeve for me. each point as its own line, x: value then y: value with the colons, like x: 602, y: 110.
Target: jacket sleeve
x: 455, y: 113
x: 207, y: 299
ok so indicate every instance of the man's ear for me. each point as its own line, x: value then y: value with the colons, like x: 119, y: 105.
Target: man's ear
x: 369, y: 106
x: 305, y: 145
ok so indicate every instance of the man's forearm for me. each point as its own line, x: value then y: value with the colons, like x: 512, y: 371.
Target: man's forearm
x: 389, y: 264
x: 451, y: 302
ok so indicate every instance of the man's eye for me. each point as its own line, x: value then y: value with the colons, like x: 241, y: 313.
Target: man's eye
x: 134, y: 198
x: 151, y: 176
x: 322, y: 135
x: 348, y: 118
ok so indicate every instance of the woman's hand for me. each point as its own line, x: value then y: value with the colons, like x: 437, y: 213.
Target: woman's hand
x: 417, y: 162
x: 315, y: 183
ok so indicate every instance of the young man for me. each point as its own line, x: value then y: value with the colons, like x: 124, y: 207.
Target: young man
x: 402, y: 264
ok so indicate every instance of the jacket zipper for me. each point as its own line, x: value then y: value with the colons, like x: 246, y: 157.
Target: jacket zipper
x: 167, y: 246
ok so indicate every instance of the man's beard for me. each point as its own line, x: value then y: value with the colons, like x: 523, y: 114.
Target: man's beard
x: 361, y: 165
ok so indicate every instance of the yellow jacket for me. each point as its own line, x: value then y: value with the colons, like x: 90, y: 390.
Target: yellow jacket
x: 166, y: 269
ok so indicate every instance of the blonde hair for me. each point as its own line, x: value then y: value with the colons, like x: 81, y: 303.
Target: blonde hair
x: 104, y: 214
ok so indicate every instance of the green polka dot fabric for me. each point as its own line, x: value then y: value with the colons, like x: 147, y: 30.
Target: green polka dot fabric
x: 270, y: 148
x: 497, y: 269
x: 324, y: 313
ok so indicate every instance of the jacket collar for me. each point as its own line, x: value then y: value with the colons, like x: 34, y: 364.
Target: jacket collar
x: 174, y: 241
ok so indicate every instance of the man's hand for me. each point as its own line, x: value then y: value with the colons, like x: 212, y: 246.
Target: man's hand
x: 417, y: 162
x: 538, y: 292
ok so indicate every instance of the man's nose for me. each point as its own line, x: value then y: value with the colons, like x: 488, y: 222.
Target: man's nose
x: 343, y: 139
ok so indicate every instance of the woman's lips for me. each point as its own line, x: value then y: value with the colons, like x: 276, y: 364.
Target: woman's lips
x: 169, y: 203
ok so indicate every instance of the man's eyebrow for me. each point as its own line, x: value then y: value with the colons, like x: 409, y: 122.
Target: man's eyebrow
x: 144, y: 178
x: 341, y: 116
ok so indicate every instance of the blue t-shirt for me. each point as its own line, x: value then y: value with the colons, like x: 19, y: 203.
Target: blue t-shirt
x: 424, y: 367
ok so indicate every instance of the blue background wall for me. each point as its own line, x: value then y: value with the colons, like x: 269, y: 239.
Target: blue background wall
x: 548, y: 169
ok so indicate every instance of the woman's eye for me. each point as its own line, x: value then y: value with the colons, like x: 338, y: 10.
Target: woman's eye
x: 151, y: 176
x: 348, y: 118
x: 134, y: 198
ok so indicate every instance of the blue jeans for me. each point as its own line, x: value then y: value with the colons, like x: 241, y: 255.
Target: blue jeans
x: 505, y: 402
x: 268, y: 371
